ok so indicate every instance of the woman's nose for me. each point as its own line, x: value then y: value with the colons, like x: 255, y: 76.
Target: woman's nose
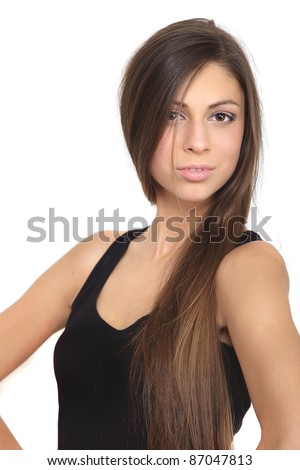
x: 196, y: 139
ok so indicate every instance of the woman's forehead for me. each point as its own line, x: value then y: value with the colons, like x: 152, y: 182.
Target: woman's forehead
x: 210, y: 84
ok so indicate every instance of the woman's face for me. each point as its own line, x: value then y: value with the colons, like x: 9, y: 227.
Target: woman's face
x: 206, y: 132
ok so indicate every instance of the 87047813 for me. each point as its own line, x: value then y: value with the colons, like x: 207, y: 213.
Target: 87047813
x: 220, y: 459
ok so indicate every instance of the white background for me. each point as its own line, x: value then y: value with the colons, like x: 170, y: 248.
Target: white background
x: 61, y: 146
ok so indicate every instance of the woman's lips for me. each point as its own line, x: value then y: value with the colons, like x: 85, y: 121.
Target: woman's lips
x: 196, y: 173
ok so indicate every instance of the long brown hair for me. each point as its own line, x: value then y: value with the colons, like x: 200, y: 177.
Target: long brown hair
x: 177, y: 365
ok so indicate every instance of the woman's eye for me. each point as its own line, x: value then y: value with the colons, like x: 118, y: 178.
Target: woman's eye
x: 222, y: 117
x: 175, y: 116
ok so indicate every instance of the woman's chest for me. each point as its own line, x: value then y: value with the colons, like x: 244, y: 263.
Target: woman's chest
x: 130, y: 292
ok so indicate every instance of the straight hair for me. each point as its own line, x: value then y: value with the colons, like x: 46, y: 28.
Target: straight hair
x: 178, y: 385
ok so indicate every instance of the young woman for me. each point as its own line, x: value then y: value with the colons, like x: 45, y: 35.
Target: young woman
x: 172, y: 330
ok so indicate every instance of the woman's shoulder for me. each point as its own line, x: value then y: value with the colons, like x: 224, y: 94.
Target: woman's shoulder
x: 80, y: 260
x: 252, y: 272
x: 101, y: 240
x: 252, y: 257
x: 91, y: 249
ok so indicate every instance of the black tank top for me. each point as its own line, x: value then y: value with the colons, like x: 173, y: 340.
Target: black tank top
x: 91, y: 363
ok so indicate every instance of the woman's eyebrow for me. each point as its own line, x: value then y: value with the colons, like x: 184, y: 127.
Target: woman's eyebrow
x: 220, y: 103
x: 211, y: 106
x: 180, y: 104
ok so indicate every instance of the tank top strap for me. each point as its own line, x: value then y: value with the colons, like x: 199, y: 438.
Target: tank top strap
x: 104, y: 267
x: 248, y: 236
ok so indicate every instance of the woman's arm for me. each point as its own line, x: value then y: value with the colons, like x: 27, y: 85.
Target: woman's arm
x: 45, y: 308
x: 7, y: 440
x: 252, y: 290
